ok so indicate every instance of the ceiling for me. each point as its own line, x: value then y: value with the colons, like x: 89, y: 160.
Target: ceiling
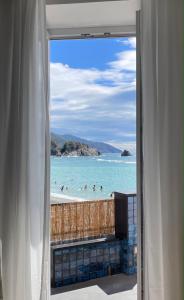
x: 91, y: 17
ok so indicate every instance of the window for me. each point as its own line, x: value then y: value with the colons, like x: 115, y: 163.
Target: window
x: 93, y: 164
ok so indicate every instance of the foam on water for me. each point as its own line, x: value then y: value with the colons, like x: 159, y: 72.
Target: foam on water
x: 114, y: 161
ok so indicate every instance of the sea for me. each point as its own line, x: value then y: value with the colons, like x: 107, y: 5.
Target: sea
x: 92, y: 177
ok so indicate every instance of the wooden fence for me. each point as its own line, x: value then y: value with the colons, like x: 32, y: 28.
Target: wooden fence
x: 79, y: 220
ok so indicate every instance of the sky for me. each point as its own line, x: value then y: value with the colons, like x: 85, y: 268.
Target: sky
x: 93, y: 89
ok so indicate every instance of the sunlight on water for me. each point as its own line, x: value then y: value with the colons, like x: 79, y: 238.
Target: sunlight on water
x: 111, y: 171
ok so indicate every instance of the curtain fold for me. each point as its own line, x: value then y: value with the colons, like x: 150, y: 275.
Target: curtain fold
x: 162, y: 96
x: 24, y: 157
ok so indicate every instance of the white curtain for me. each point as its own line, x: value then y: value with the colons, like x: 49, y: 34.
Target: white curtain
x: 24, y: 145
x: 162, y: 63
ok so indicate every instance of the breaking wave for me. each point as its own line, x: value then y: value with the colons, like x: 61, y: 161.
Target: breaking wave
x: 116, y: 161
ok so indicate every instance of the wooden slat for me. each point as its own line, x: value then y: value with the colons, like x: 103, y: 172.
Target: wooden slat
x: 78, y: 220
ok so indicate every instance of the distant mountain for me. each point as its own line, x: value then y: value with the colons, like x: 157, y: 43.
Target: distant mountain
x: 59, y: 140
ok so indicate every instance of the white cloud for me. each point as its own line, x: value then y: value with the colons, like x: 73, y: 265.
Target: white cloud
x: 126, y: 60
x: 79, y: 89
x: 69, y: 83
x: 131, y: 42
x: 93, y: 94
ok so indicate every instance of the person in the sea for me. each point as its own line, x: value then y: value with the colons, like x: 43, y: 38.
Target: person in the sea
x: 94, y: 188
x: 101, y: 188
x: 85, y: 187
x: 62, y: 188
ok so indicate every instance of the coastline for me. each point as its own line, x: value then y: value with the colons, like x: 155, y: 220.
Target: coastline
x: 58, y: 198
x: 62, y: 198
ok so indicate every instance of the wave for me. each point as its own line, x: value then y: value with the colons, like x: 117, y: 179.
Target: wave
x: 116, y: 161
x: 55, y: 197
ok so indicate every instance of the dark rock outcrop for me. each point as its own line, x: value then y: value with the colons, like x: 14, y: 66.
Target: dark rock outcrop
x: 77, y: 149
x: 55, y: 149
x: 71, y: 148
x: 126, y: 153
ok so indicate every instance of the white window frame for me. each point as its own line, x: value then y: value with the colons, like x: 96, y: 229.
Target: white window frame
x: 108, y: 32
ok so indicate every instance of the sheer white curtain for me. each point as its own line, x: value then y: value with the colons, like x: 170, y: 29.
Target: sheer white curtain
x: 162, y: 64
x: 24, y: 169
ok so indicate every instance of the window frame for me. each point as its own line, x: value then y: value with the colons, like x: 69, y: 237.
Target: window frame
x: 117, y: 32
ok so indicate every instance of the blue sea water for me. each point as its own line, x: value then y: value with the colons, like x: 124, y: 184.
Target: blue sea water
x: 111, y: 171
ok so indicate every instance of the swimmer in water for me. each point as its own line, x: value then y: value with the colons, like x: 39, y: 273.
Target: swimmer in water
x: 62, y: 188
x: 94, y: 188
x: 85, y: 187
x: 101, y: 188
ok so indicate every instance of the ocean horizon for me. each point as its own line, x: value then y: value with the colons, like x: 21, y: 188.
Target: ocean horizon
x: 92, y: 177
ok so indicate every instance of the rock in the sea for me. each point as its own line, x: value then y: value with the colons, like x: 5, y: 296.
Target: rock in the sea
x: 126, y: 153
x: 78, y: 149
x: 55, y: 150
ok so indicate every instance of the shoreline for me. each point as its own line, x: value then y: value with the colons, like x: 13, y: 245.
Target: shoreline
x: 58, y: 198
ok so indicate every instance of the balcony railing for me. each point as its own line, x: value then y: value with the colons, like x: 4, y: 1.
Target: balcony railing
x: 92, y: 239
x: 81, y: 220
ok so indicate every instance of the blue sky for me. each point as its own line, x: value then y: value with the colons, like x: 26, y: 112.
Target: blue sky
x: 93, y: 94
